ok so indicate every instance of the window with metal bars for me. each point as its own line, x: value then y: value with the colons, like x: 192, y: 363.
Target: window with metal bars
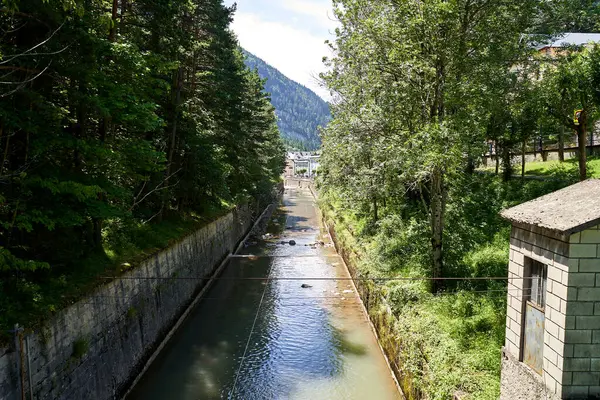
x: 536, y: 285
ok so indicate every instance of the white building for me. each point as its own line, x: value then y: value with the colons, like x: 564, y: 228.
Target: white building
x: 308, y: 161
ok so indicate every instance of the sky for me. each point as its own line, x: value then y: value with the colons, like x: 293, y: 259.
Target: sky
x: 288, y: 34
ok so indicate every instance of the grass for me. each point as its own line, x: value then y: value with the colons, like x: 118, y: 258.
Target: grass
x: 551, y: 168
x: 555, y: 168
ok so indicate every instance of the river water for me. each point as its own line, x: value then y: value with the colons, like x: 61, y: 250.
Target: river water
x: 258, y: 338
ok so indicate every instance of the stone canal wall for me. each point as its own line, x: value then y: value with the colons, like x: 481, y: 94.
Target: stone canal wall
x: 94, y: 348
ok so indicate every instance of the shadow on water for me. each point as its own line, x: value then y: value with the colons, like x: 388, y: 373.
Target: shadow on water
x: 345, y: 346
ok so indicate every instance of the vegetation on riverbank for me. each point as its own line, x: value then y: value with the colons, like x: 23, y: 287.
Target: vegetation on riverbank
x: 421, y: 89
x: 123, y: 126
x: 448, y: 341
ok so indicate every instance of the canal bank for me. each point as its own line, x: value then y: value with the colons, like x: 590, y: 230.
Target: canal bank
x: 282, y: 321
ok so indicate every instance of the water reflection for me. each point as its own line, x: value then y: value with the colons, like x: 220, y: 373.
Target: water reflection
x: 307, y: 343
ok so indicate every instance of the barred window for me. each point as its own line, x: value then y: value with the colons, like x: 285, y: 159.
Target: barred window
x: 537, y: 283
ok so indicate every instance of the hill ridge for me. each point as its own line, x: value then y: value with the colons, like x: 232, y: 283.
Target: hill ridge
x: 300, y: 111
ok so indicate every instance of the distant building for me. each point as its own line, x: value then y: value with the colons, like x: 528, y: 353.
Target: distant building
x: 566, y: 40
x: 302, y: 160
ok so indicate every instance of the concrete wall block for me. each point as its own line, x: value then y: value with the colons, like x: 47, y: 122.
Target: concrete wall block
x: 583, y: 251
x: 557, y: 317
x: 554, y: 301
x: 576, y: 364
x: 553, y: 343
x: 575, y: 392
x: 567, y: 378
x: 582, y: 279
x: 590, y: 236
x: 527, y: 250
x: 553, y: 359
x: 589, y: 265
x: 518, y: 258
x: 515, y: 244
x: 588, y: 294
x: 515, y: 284
x: 595, y: 364
x: 555, y: 274
x: 573, y: 265
x: 515, y: 269
x: 551, y: 328
x: 580, y: 308
x: 512, y: 348
x: 586, y: 378
x: 568, y: 351
x: 561, y: 262
x: 586, y: 351
x: 578, y: 336
x: 554, y: 371
x: 559, y: 289
x: 513, y: 314
x: 596, y: 336
x: 587, y: 322
x: 543, y: 255
x: 575, y: 238
x: 563, y: 303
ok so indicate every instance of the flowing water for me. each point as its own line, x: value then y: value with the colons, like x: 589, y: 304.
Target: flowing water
x: 253, y: 338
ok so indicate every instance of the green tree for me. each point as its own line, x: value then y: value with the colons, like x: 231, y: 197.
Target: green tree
x: 116, y: 115
x: 568, y: 89
x: 411, y: 80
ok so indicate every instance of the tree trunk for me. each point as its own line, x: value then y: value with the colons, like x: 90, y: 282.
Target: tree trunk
x: 173, y: 136
x: 582, y: 137
x: 113, y: 27
x: 97, y: 227
x: 470, y: 165
x: 523, y: 147
x: 506, y: 164
x: 375, y: 209
x: 591, y: 149
x: 497, y: 157
x: 438, y: 205
x: 561, y: 144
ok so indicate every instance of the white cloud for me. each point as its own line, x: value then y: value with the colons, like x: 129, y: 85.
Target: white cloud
x: 320, y: 11
x: 296, y: 53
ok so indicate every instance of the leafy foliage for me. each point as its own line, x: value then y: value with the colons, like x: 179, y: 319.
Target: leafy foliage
x: 120, y: 122
x: 419, y: 88
x: 448, y: 341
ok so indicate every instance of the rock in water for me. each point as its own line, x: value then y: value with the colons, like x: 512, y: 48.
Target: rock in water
x: 305, y: 286
x: 292, y: 242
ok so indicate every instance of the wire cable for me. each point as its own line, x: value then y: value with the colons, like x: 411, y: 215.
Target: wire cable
x: 325, y: 278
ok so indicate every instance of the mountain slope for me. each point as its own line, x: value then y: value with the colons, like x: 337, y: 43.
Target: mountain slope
x: 299, y: 110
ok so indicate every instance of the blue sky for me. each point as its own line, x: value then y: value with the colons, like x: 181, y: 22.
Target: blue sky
x: 288, y: 34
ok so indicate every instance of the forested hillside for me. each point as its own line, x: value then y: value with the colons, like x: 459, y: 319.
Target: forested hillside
x: 300, y: 112
x: 123, y: 125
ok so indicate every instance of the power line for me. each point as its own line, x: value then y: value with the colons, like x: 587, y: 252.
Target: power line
x: 312, y: 278
x: 521, y: 293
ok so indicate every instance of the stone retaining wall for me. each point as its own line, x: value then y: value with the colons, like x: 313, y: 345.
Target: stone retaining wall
x: 94, y: 348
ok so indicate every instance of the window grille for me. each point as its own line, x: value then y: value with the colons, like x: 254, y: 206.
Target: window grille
x: 537, y: 284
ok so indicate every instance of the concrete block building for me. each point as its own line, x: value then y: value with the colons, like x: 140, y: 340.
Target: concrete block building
x: 552, y: 347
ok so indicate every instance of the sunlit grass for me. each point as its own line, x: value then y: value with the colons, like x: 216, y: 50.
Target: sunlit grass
x: 549, y: 168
